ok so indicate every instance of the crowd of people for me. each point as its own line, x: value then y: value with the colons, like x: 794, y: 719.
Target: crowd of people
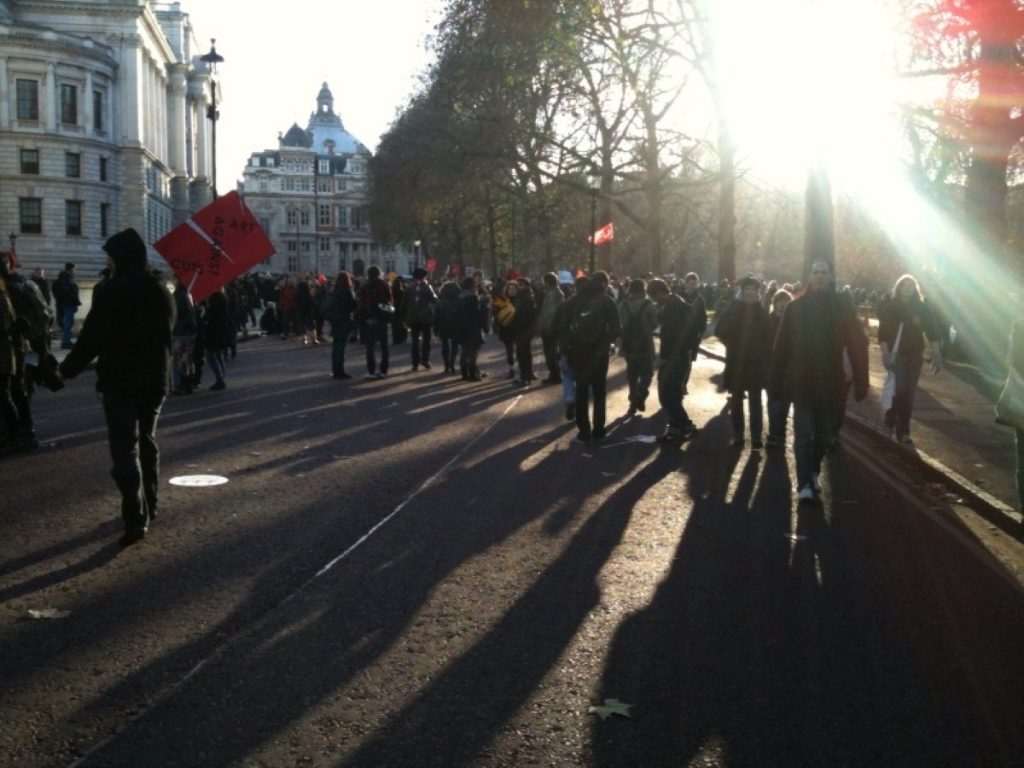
x: 792, y: 348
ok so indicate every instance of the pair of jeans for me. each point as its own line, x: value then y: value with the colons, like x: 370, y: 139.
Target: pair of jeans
x: 639, y: 372
x: 592, y: 379
x: 449, y: 352
x: 568, y: 380
x: 908, y: 372
x: 673, y: 374
x: 67, y: 323
x: 376, y: 334
x: 215, y: 359
x: 813, y: 429
x: 131, y: 434
x: 339, y: 343
x: 756, y: 413
x: 420, y: 345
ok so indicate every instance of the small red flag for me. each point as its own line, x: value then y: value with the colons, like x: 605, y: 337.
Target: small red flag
x: 604, y: 235
x: 431, y: 265
x: 216, y: 245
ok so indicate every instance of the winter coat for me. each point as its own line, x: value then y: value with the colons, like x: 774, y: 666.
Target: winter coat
x: 745, y: 329
x: 637, y: 308
x: 553, y: 298
x: 338, y: 311
x: 470, y: 319
x: 807, y: 361
x: 677, y: 335
x: 128, y: 326
x: 374, y: 293
x: 8, y: 365
x: 65, y: 292
x: 524, y: 321
x: 918, y: 322
x: 447, y: 309
x: 218, y: 329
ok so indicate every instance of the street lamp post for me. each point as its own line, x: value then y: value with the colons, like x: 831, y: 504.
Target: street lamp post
x: 594, y: 184
x: 212, y: 59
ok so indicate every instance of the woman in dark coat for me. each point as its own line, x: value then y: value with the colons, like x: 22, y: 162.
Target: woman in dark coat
x: 338, y: 311
x: 470, y: 321
x: 219, y: 334
x: 745, y: 330
x: 906, y: 310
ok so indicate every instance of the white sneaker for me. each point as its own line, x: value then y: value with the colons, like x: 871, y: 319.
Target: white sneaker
x: 806, y: 493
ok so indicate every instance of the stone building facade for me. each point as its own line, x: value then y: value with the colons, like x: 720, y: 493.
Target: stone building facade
x: 310, y: 197
x: 103, y: 125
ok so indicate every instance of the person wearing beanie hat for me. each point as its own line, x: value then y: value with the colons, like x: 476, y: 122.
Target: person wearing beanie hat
x: 129, y: 330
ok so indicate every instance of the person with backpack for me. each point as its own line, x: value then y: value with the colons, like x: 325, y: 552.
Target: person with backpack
x: 550, y: 303
x: 593, y: 324
x: 420, y: 308
x: 65, y: 294
x: 675, y: 360
x: 375, y: 311
x: 638, y: 317
x: 30, y: 330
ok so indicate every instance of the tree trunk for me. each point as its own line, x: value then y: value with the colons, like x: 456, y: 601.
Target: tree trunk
x: 726, y: 205
x: 819, y: 234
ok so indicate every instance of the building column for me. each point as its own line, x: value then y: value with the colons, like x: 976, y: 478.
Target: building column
x: 131, y: 111
x: 5, y: 97
x: 176, y: 110
x: 51, y: 97
x: 87, y: 112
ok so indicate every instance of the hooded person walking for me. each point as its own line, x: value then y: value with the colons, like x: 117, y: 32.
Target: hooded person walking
x: 129, y: 329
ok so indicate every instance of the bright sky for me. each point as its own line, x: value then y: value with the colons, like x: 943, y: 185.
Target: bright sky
x: 370, y: 54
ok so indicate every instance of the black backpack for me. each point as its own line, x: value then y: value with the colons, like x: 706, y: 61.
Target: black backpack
x: 635, y: 334
x: 421, y: 308
x: 33, y: 316
x: 587, y: 328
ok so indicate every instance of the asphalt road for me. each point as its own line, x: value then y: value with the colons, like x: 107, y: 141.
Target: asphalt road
x: 423, y: 572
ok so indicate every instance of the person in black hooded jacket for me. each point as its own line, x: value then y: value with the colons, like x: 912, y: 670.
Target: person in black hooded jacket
x: 129, y: 329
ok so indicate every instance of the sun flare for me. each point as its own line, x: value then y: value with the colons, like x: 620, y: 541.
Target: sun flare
x: 808, y: 82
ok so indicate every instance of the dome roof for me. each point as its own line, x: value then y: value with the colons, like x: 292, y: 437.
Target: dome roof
x: 325, y: 133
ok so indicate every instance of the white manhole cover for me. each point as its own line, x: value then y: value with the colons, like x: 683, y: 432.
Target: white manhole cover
x: 198, y: 481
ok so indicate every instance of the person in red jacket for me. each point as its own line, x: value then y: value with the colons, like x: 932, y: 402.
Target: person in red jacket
x: 375, y: 309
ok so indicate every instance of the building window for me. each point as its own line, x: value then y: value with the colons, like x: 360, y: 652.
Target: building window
x: 28, y: 100
x: 389, y: 266
x: 306, y: 246
x: 73, y: 217
x: 72, y: 165
x: 30, y: 215
x: 324, y: 216
x: 325, y: 245
x: 104, y: 219
x: 324, y: 167
x: 289, y: 184
x: 69, y: 104
x: 263, y: 186
x: 270, y: 162
x: 293, y: 264
x: 357, y: 217
x: 342, y: 185
x: 30, y: 161
x: 97, y: 110
x: 265, y: 225
x: 343, y: 216
x: 304, y: 217
x: 103, y: 169
x: 324, y: 186
x: 292, y: 213
x: 292, y: 246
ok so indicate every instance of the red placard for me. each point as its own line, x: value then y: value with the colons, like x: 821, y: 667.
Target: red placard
x: 216, y: 245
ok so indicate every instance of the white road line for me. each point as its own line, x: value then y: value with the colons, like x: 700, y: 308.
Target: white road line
x: 157, y: 701
x: 426, y: 484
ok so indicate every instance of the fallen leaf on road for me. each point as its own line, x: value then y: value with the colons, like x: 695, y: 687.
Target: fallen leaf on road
x: 612, y: 707
x: 255, y: 453
x: 608, y: 474
x: 795, y: 537
x: 48, y: 613
x: 587, y: 455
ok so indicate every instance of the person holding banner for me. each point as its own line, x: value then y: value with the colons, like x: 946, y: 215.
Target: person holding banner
x: 129, y: 329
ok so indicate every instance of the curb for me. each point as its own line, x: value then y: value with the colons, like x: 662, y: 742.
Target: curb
x: 985, y: 504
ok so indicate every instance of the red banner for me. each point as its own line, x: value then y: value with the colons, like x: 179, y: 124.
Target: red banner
x: 219, y: 243
x: 431, y: 265
x: 604, y: 235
